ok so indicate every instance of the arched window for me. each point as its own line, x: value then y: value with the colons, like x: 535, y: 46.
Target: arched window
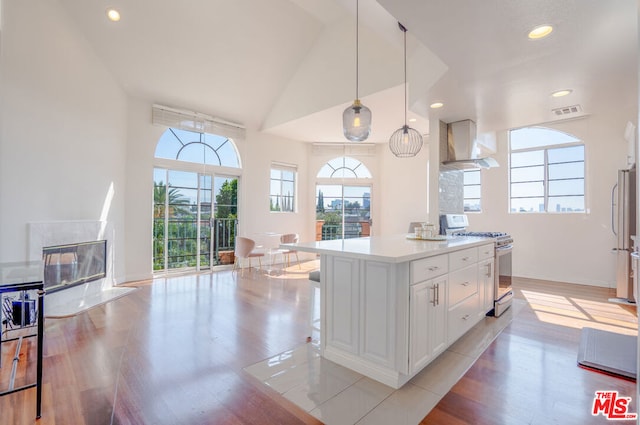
x: 343, y: 210
x: 344, y: 167
x: 199, y: 148
x: 546, y: 171
x: 195, y: 183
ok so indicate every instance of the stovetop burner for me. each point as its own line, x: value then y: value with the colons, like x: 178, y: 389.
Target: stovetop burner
x: 482, y: 234
x: 501, y: 238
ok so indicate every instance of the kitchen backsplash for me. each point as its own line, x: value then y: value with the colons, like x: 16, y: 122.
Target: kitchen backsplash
x: 451, y: 195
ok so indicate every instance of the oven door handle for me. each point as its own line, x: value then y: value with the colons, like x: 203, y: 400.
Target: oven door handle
x: 504, y: 249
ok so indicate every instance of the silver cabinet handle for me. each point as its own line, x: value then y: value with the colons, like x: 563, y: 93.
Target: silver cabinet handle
x: 433, y: 301
x: 465, y: 284
x: 465, y: 258
x: 433, y: 268
x: 465, y: 317
x: 489, y: 270
x: 438, y: 293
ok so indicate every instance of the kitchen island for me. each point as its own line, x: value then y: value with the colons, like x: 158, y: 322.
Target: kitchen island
x: 390, y: 305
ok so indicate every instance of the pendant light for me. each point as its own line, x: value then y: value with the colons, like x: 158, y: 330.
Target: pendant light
x: 405, y: 142
x: 356, y: 119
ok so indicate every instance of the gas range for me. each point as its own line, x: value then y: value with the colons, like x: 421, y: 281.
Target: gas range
x: 501, y: 238
x: 456, y: 225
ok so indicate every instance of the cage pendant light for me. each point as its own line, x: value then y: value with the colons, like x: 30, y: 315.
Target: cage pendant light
x: 356, y: 119
x: 405, y: 142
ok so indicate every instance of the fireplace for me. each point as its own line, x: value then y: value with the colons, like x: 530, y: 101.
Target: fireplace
x: 74, y: 264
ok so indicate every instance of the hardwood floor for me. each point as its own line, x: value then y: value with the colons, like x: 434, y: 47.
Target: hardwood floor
x: 172, y: 352
x: 529, y: 374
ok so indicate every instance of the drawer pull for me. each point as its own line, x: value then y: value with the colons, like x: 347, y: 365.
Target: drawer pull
x: 433, y: 268
x: 465, y: 317
x: 465, y: 258
x: 465, y: 284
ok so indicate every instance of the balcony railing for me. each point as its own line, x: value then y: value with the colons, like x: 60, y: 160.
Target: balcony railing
x: 182, y: 242
x: 334, y: 231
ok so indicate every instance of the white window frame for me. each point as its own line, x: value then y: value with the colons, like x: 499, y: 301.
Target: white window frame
x: 276, y: 166
x: 545, y: 181
x: 479, y: 185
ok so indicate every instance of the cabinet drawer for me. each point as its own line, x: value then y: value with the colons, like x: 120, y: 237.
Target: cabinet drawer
x: 428, y: 268
x: 486, y: 251
x: 463, y: 258
x: 462, y: 317
x: 462, y: 284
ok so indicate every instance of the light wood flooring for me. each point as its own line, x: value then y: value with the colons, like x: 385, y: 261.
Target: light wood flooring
x: 173, y: 352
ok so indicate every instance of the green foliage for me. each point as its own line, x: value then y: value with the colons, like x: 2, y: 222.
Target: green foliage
x: 227, y: 200
x: 331, y: 217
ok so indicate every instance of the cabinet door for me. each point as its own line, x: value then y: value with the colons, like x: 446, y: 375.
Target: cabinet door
x: 378, y: 313
x: 428, y: 328
x: 420, y: 296
x: 438, y: 317
x: 343, y: 303
x: 486, y: 279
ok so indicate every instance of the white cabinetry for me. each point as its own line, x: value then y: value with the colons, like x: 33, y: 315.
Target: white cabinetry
x: 464, y: 298
x: 389, y: 319
x: 428, y: 322
x: 343, y: 303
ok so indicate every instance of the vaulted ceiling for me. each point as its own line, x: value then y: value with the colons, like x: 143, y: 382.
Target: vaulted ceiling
x: 288, y: 66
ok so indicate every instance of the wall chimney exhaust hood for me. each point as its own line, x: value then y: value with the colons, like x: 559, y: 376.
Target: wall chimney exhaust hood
x: 459, y: 147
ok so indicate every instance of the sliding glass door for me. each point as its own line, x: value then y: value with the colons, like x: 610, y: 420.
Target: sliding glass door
x: 190, y: 228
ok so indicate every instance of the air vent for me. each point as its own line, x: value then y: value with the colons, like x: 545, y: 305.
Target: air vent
x: 567, y: 110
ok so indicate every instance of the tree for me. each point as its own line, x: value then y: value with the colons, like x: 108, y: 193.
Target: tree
x: 227, y: 200
x: 320, y: 205
x: 178, y: 203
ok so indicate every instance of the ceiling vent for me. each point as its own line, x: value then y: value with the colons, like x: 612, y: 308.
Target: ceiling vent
x: 567, y: 110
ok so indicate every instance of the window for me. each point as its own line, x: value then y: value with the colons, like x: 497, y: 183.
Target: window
x: 546, y: 171
x: 283, y: 188
x: 343, y: 211
x: 472, y: 186
x: 344, y: 167
x: 198, y: 148
x: 195, y: 200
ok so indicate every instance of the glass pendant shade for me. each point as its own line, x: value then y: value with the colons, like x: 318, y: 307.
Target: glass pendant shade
x: 356, y: 122
x: 405, y: 142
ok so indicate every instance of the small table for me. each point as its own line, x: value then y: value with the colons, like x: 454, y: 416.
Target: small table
x: 19, y: 277
x: 268, y: 243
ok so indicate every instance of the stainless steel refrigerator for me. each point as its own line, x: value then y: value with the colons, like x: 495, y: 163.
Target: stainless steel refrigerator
x: 623, y: 223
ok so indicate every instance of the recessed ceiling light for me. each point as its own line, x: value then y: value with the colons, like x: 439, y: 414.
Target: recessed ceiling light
x: 113, y: 15
x: 540, y: 32
x: 561, y: 93
x: 436, y: 105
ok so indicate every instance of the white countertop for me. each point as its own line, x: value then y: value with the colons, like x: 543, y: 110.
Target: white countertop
x: 390, y: 249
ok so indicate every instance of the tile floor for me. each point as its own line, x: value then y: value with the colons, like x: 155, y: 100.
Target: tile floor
x: 337, y: 395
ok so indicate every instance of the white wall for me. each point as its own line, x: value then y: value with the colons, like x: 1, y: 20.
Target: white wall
x: 404, y: 190
x: 573, y: 248
x: 63, y: 137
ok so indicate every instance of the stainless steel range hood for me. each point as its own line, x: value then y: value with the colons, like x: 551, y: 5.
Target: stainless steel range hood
x: 458, y: 150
